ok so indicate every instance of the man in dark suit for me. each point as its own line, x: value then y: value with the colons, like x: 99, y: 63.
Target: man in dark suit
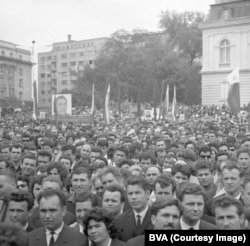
x: 165, y: 216
x: 52, y: 209
x: 134, y: 222
x: 20, y: 204
x: 50, y: 182
x: 192, y: 203
x: 232, y: 180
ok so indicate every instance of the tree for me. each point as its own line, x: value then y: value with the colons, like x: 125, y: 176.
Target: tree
x: 183, y: 31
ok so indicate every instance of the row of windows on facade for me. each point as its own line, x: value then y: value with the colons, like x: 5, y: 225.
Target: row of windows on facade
x: 64, y: 82
x: 75, y: 46
x: 10, y: 54
x: 65, y: 55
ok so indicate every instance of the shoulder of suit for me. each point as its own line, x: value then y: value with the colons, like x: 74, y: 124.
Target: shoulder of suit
x: 124, y: 215
x: 205, y: 223
x: 36, y: 231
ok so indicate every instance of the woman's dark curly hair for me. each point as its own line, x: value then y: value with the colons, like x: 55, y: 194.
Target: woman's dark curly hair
x: 99, y: 215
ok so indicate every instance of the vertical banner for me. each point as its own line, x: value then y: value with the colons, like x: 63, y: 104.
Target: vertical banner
x: 93, y: 100
x: 35, y: 110
x: 62, y: 104
x: 166, y: 103
x: 174, y: 103
x: 106, y: 106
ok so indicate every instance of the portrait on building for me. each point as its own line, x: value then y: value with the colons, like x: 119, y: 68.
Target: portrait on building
x: 62, y: 104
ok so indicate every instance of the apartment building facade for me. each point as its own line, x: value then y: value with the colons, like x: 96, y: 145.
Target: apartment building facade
x: 59, y: 68
x: 15, y: 72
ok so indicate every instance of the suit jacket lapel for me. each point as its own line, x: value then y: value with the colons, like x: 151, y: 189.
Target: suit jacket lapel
x: 41, y: 238
x: 131, y: 223
x: 146, y: 221
x: 63, y: 237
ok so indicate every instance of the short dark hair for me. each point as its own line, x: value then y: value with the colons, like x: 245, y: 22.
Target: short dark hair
x: 12, y: 235
x: 87, y: 196
x: 162, y: 203
x: 69, y: 147
x: 205, y: 148
x: 113, y: 170
x: 122, y: 149
x: 204, y: 164
x: 50, y: 193
x: 243, y: 150
x: 225, y: 202
x: 189, y: 189
x: 165, y: 180
x: 138, y: 180
x: 17, y: 146
x: 99, y: 215
x: 230, y: 165
x: 116, y: 188
x: 44, y: 153
x: 28, y: 156
x: 67, y: 158
x: 184, y: 169
x: 62, y: 171
x: 81, y: 170
x: 22, y: 196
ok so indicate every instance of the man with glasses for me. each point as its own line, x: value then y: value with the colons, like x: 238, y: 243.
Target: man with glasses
x: 205, y: 152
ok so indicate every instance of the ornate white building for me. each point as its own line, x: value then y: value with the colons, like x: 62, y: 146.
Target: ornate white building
x: 226, y: 45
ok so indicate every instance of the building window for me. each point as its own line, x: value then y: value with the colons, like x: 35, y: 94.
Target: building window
x: 43, y: 92
x: 224, y: 53
x: 72, y: 64
x: 43, y: 85
x: 21, y: 83
x: 49, y: 58
x: 42, y: 75
x: 20, y: 71
x: 63, y: 56
x: 11, y: 54
x: 43, y: 100
x: 81, y: 54
x: 49, y: 100
x: 20, y: 95
x: 64, y: 82
x: 42, y: 59
x: 49, y: 92
x: 224, y: 88
x: 64, y: 64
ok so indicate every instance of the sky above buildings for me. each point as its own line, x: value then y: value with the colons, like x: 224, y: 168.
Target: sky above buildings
x: 48, y: 21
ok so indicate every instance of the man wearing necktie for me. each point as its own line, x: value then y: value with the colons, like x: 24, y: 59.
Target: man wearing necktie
x: 54, y: 233
x: 192, y: 197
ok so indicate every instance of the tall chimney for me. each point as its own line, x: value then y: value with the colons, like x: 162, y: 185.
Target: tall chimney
x: 69, y: 37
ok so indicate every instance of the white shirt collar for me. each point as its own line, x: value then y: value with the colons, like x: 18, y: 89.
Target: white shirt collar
x: 56, y: 233
x: 142, y: 214
x: 185, y: 226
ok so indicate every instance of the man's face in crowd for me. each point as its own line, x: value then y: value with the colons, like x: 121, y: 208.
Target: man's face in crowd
x: 3, y: 166
x: 6, y: 153
x: 146, y: 162
x: 232, y: 181
x: 16, y: 154
x: 228, y: 218
x: 165, y: 192
x: 223, y: 148
x: 192, y: 208
x: 205, y: 177
x: 94, y: 156
x: 61, y: 106
x: 167, y: 218
x: 244, y: 161
x: 160, y: 157
x: 205, y: 154
x: 66, y: 163
x: 51, y: 212
x: 222, y: 159
x: 109, y: 179
x: 119, y: 156
x: 28, y: 166
x: 22, y: 185
x: 151, y: 174
x: 80, y: 182
x: 81, y: 210
x: 137, y: 197
x: 212, y: 138
x: 160, y: 144
x: 85, y: 151
x: 246, y: 145
x: 111, y: 202
x: 68, y: 153
x: 43, y: 162
x: 18, y: 212
x: 180, y: 178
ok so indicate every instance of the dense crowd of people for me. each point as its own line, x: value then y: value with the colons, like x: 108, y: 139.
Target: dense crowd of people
x: 67, y: 183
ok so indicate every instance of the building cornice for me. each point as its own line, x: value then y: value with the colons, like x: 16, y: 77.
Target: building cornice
x: 222, y: 23
x: 11, y: 59
x: 223, y: 71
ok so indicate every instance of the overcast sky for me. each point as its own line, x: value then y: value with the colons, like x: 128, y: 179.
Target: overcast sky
x: 48, y: 21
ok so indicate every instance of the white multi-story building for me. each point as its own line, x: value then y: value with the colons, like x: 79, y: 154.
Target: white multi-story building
x: 226, y: 46
x: 15, y: 72
x: 58, y: 69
